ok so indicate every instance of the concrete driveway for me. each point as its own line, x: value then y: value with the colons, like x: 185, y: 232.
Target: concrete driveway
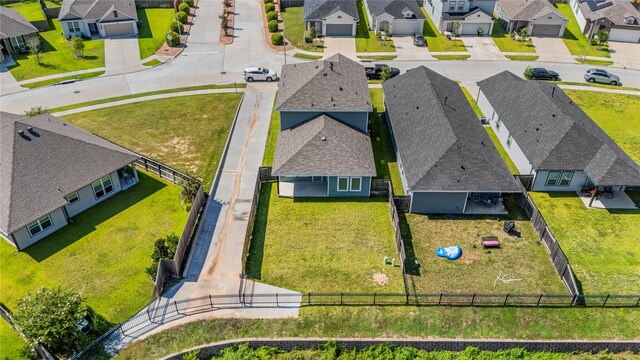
x: 407, y: 51
x: 626, y: 55
x: 121, y: 55
x: 340, y: 44
x: 482, y: 48
x: 552, y: 49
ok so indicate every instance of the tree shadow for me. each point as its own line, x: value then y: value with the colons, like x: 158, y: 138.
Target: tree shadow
x: 255, y: 255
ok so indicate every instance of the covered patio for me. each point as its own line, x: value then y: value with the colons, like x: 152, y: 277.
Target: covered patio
x: 303, y: 189
x: 485, y: 204
x: 607, y: 200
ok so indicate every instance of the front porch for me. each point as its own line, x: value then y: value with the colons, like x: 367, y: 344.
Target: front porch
x: 485, y: 204
x: 607, y: 200
x: 303, y: 189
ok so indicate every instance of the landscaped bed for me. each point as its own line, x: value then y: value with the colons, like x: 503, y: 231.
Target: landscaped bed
x: 366, y: 40
x: 30, y: 9
x: 573, y: 37
x: 153, y: 32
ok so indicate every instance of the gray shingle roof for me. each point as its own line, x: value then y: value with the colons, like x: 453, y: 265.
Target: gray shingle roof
x: 345, y: 151
x: 442, y: 145
x: 13, y: 24
x: 334, y: 84
x: 463, y: 15
x: 395, y: 8
x: 320, y: 9
x: 38, y: 170
x: 614, y: 10
x: 529, y: 9
x: 96, y: 9
x: 554, y: 133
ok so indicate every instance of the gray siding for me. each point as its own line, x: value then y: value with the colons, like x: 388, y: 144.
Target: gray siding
x: 88, y: 199
x: 333, y: 188
x: 358, y: 120
x: 24, y: 239
x: 438, y: 202
x: 577, y: 182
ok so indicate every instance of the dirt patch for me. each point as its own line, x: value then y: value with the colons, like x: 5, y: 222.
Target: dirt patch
x: 380, y: 278
x: 179, y: 145
x: 227, y: 38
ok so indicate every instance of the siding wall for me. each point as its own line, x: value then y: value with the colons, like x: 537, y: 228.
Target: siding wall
x: 84, y: 29
x: 434, y: 11
x: 24, y: 239
x: 358, y: 120
x: 582, y: 22
x: 486, y: 5
x: 544, y: 20
x: 88, y: 199
x: 579, y: 177
x: 333, y: 188
x: 438, y: 202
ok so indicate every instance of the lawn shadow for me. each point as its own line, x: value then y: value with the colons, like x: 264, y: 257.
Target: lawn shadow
x: 145, y: 30
x: 87, y: 221
x: 569, y: 35
x: 255, y: 255
x: 405, y: 231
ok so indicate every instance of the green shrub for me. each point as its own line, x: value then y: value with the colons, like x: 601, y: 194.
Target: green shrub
x: 268, y: 1
x: 273, y: 26
x: 188, y: 2
x: 163, y: 248
x: 273, y: 15
x: 182, y: 17
x: 269, y: 8
x: 177, y: 27
x: 174, y: 40
x: 528, y: 72
x: 277, y: 39
x: 184, y: 7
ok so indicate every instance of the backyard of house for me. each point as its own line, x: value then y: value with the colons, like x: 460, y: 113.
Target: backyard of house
x: 573, y: 37
x: 366, y: 40
x: 294, y: 28
x: 437, y: 42
x: 153, y: 32
x: 10, y: 341
x: 30, y: 9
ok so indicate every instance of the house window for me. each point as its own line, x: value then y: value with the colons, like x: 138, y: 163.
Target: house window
x: 498, y: 122
x: 460, y: 5
x: 343, y: 184
x: 552, y: 178
x: 72, y: 198
x: 102, y: 187
x: 40, y: 225
x: 356, y: 184
x: 452, y: 6
x: 566, y: 177
x: 589, y: 182
x: 509, y: 140
x: 115, y: 14
x: 74, y: 26
x: 17, y: 43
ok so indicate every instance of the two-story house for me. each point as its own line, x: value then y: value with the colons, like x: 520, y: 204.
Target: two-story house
x: 472, y: 14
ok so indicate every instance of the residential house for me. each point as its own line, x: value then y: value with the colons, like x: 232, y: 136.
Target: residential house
x: 471, y: 14
x: 448, y: 164
x: 50, y: 171
x: 14, y: 30
x: 548, y: 136
x: 323, y: 148
x: 539, y: 17
x: 619, y: 17
x: 331, y: 17
x: 102, y: 18
x: 400, y: 17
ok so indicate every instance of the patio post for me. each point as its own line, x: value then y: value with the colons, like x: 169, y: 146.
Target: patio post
x: 135, y: 173
x: 593, y: 196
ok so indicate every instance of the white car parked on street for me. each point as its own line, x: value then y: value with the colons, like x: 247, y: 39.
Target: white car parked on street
x: 251, y: 74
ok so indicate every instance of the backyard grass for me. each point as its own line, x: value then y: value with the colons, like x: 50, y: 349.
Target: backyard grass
x: 30, y: 9
x: 366, y: 40
x: 383, y: 154
x: 622, y: 124
x: 451, y: 57
x: 437, y: 42
x: 102, y: 254
x: 294, y: 28
x: 594, y: 62
x: 60, y: 79
x: 378, y: 57
x: 522, y: 57
x: 506, y: 44
x: 153, y: 32
x: 323, y: 244
x: 602, y: 246
x: 307, y: 56
x: 573, y: 37
x: 10, y: 342
x: 52, y: 4
x: 188, y: 133
x: 57, y: 56
x: 472, y: 101
x: 503, y: 153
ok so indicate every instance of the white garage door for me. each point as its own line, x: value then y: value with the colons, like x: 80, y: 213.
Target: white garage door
x: 624, y: 35
x: 407, y: 27
x: 119, y: 29
x: 339, y: 30
x: 546, y: 30
x: 472, y: 28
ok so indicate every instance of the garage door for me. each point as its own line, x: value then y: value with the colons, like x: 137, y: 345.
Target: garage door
x: 546, y: 30
x: 119, y: 29
x: 624, y: 35
x: 339, y: 30
x: 407, y: 27
x: 472, y: 29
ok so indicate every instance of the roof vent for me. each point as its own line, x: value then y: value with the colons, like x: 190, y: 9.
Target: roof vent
x: 462, y: 167
x: 323, y: 138
x: 23, y: 135
x: 332, y: 99
x: 417, y: 107
x: 553, y: 115
x: 537, y: 129
x: 483, y: 144
x: 457, y: 180
x: 341, y: 88
x: 311, y: 104
x: 445, y: 99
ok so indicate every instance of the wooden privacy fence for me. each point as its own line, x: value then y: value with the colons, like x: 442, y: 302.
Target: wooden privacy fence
x: 290, y: 3
x: 525, y: 180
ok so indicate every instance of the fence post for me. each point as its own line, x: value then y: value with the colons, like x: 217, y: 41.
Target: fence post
x: 374, y: 298
x: 146, y: 168
x: 473, y: 298
x: 243, y: 299
x: 174, y: 176
x: 277, y: 303
x: 440, y: 299
x: 605, y: 300
x: 638, y: 303
x: 210, y: 301
x: 540, y: 298
x: 406, y: 302
x: 340, y: 298
x: 309, y: 298
x: 176, y: 305
x: 505, y: 300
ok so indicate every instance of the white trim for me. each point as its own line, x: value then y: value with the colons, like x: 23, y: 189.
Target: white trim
x: 338, y: 183
x: 103, y: 187
x: 466, y: 200
x: 75, y: 201
x: 351, y: 184
x: 39, y: 224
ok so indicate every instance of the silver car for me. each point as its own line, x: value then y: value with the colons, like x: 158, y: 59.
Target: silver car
x: 251, y: 74
x: 601, y: 76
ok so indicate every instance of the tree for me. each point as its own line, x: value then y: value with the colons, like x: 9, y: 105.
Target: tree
x: 603, y: 36
x: 528, y: 72
x: 523, y: 34
x: 163, y: 248
x: 189, y: 191
x: 49, y: 317
x: 456, y: 29
x: 35, y: 46
x: 385, y: 73
x: 77, y: 44
x: 38, y: 110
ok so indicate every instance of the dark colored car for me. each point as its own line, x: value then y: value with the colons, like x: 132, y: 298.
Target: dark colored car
x: 544, y: 74
x: 418, y: 39
x: 375, y: 72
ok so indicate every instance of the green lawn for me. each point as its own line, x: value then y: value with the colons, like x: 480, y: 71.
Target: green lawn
x: 573, y: 37
x: 503, y: 153
x: 30, y: 9
x: 153, y: 33
x: 57, y: 56
x: 506, y: 43
x: 294, y: 29
x: 437, y: 42
x: 52, y: 4
x: 152, y: 62
x: 102, y: 254
x: 272, y: 136
x: 472, y: 101
x: 10, y: 342
x: 594, y: 62
x: 588, y: 84
x: 383, y: 154
x: 323, y: 244
x: 307, y: 56
x: 451, y: 57
x: 60, y: 79
x: 522, y: 57
x: 366, y: 40
x: 602, y: 246
x: 188, y: 133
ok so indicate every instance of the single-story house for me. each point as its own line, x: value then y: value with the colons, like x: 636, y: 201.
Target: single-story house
x: 401, y: 17
x: 331, y: 17
x: 619, y: 17
x: 548, y: 136
x: 539, y: 17
x: 102, y: 18
x: 50, y: 171
x: 323, y: 148
x: 471, y: 14
x: 448, y: 164
x: 14, y: 30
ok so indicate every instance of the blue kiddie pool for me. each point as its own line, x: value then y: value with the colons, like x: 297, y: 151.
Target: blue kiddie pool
x: 451, y: 252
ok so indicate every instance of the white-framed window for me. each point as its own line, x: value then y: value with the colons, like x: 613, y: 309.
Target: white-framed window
x: 452, y: 6
x: 509, y: 140
x: 74, y: 26
x: 343, y: 184
x: 460, y: 6
x: 552, y: 178
x: 565, y: 179
x: 498, y: 122
x: 589, y: 182
x: 17, y: 43
x: 40, y: 225
x: 73, y: 197
x: 356, y: 184
x: 102, y: 187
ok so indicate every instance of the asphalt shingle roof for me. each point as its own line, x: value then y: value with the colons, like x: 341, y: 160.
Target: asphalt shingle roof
x: 96, y: 9
x: 614, y: 10
x: 528, y: 9
x: 41, y: 167
x: 323, y: 146
x: 442, y: 145
x: 395, y: 8
x: 334, y: 84
x: 13, y: 24
x: 463, y: 15
x: 320, y: 9
x: 554, y: 133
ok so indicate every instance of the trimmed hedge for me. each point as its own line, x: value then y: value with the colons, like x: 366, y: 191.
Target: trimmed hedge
x: 268, y: 1
x: 273, y: 15
x: 175, y: 39
x: 277, y: 39
x: 177, y: 27
x: 188, y: 2
x: 184, y: 7
x: 269, y: 8
x: 273, y: 26
x: 182, y: 17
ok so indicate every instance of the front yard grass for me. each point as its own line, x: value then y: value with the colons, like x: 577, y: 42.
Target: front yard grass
x: 323, y: 244
x: 602, y: 246
x: 594, y: 62
x: 437, y: 42
x: 506, y: 44
x: 451, y: 57
x: 30, y: 9
x: 378, y: 57
x: 188, y: 133
x: 10, y: 341
x: 307, y: 56
x: 102, y: 254
x: 294, y: 28
x: 573, y: 37
x: 383, y: 154
x: 366, y: 40
x: 57, y: 56
x: 153, y: 32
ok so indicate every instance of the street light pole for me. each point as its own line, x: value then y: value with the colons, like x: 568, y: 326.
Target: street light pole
x: 595, y: 25
x: 284, y: 44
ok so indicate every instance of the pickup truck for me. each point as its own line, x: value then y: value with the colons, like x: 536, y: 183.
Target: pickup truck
x: 374, y: 72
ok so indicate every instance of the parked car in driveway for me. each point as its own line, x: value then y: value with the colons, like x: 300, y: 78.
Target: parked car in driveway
x: 260, y: 74
x: 375, y: 72
x: 601, y: 76
x: 544, y: 74
x: 418, y: 39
